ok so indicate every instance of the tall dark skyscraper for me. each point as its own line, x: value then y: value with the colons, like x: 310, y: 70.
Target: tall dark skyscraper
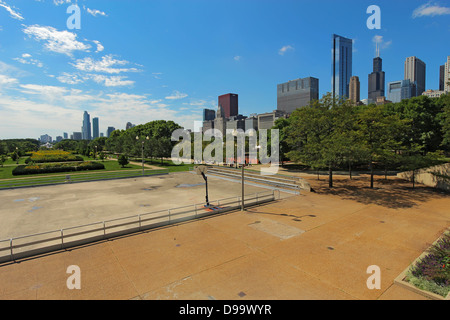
x: 229, y: 104
x: 342, y: 59
x: 95, y: 128
x: 441, y: 78
x: 296, y: 94
x: 376, y: 80
x: 415, y: 71
x: 86, y: 128
x: 209, y: 114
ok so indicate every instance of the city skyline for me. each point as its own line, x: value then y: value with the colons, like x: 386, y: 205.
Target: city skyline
x: 154, y: 65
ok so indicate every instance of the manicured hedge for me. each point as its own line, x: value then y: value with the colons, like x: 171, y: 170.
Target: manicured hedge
x: 57, y: 167
x: 52, y: 156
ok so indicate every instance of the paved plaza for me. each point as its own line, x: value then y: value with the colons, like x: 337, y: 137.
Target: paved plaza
x: 311, y: 246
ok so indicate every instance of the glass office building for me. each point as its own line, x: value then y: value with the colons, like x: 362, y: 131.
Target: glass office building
x: 342, y: 57
x: 296, y: 94
x: 399, y: 90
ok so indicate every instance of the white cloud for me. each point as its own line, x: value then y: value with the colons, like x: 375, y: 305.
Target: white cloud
x: 284, y: 49
x: 177, y: 95
x: 156, y: 75
x: 69, y: 78
x: 237, y: 58
x: 14, y: 14
x: 95, y: 12
x: 100, y: 47
x: 26, y: 59
x: 64, y: 42
x: 113, y: 81
x: 430, y: 9
x: 7, y: 80
x: 106, y: 65
x: 60, y: 2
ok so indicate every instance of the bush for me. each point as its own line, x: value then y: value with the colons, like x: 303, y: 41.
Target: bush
x: 123, y: 160
x: 53, y: 168
x: 433, y: 271
x: 52, y: 156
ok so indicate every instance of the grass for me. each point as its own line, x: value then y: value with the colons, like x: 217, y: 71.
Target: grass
x: 167, y: 164
x: 6, y: 171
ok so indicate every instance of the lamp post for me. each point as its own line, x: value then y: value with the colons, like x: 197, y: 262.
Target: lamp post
x: 137, y: 138
x: 236, y: 133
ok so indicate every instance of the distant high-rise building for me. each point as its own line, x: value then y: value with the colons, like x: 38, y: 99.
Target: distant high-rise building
x: 45, y: 138
x: 342, y: 57
x: 129, y: 125
x: 77, y: 136
x: 447, y: 75
x: 109, y: 131
x: 415, y: 71
x: 59, y: 139
x: 95, y: 128
x: 86, y: 128
x: 399, y: 90
x: 376, y: 80
x: 230, y: 104
x: 296, y: 94
x: 208, y: 114
x: 441, y: 78
x: 355, y: 90
x: 267, y: 120
x: 66, y: 135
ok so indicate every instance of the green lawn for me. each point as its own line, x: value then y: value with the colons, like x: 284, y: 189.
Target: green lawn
x: 6, y: 171
x: 169, y: 165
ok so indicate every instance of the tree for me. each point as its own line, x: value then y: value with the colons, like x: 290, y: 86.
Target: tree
x: 2, y: 159
x: 123, y: 160
x: 315, y: 134
x: 102, y: 156
x: 282, y: 125
x: 380, y: 134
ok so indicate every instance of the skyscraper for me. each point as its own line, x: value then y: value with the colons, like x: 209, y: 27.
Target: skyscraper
x: 447, y: 75
x: 296, y: 94
x: 342, y: 57
x: 95, y: 128
x: 376, y: 80
x: 208, y: 114
x: 355, y: 90
x: 229, y: 104
x: 415, y: 71
x: 399, y: 90
x: 109, y: 131
x: 86, y: 128
x: 441, y: 78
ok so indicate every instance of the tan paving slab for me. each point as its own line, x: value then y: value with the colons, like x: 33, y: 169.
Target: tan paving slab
x: 313, y: 246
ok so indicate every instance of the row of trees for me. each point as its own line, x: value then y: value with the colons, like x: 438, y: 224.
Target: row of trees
x: 335, y: 134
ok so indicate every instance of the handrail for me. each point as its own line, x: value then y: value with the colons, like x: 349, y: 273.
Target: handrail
x: 170, y: 216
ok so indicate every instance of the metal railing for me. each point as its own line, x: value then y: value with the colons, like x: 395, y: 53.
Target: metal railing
x: 75, y: 178
x: 35, y: 244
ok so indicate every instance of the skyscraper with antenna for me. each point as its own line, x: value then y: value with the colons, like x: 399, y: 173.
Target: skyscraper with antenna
x: 376, y: 78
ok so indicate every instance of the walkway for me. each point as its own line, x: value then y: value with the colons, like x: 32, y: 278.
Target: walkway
x: 312, y: 246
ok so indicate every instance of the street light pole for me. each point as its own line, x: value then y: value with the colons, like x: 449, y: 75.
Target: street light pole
x: 143, y: 171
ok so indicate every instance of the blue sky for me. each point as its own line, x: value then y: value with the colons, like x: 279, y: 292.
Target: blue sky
x: 143, y: 60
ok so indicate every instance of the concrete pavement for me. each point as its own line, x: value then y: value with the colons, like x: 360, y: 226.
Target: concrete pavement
x: 312, y: 246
